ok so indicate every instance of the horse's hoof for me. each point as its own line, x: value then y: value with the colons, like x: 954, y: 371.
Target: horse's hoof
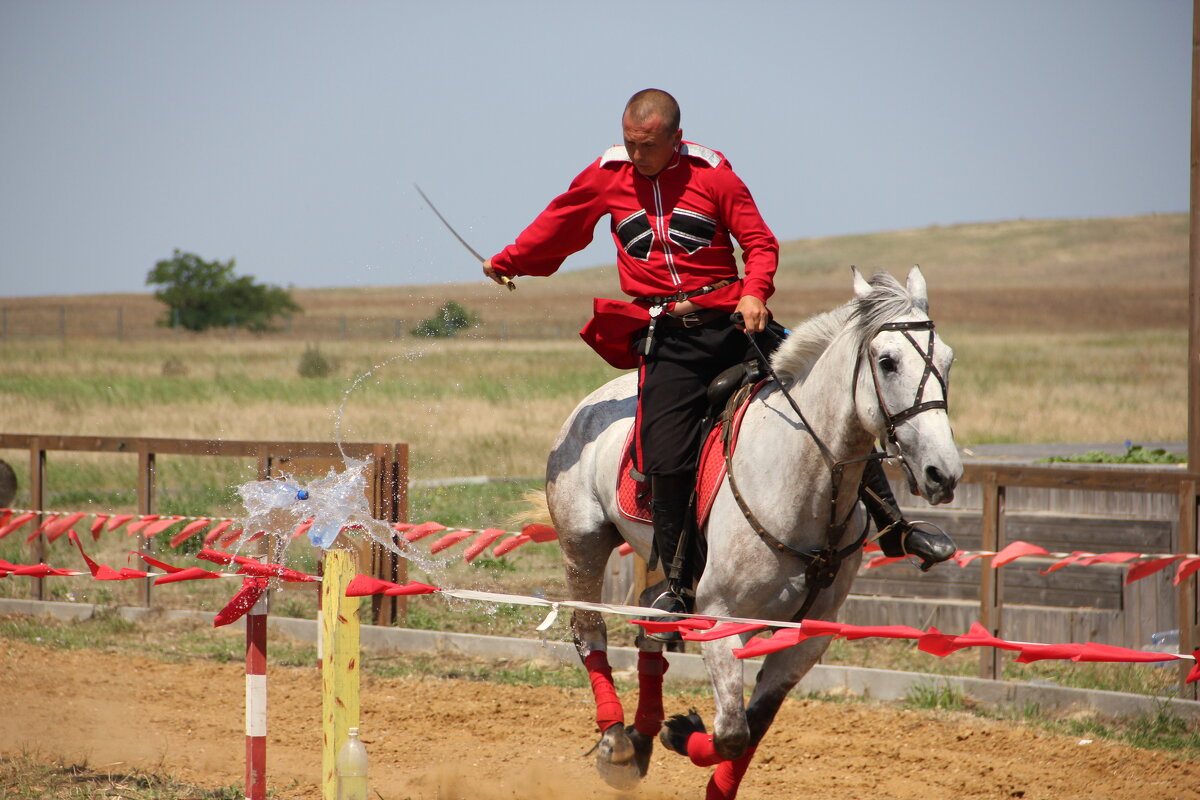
x: 676, y: 731
x: 643, y: 746
x: 616, y: 759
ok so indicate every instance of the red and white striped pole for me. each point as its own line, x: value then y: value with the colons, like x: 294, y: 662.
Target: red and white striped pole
x: 256, y: 700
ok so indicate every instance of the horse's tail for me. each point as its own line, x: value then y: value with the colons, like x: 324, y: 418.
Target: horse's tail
x: 536, y: 509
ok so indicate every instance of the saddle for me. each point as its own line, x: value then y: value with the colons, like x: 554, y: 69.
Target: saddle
x: 729, y: 396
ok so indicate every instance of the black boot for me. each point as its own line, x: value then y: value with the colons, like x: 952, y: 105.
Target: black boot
x: 897, y: 536
x: 670, y: 498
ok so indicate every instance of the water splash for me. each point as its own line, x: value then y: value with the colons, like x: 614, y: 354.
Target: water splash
x: 336, y: 504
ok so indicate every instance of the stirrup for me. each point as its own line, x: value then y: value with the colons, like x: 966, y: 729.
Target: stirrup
x: 671, y: 602
x: 927, y: 559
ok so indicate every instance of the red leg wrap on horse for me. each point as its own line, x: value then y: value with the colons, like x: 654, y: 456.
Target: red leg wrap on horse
x: 608, y: 705
x: 701, y: 751
x: 649, y: 717
x: 724, y: 783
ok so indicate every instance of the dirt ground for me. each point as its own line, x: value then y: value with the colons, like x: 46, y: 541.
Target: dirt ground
x: 447, y: 739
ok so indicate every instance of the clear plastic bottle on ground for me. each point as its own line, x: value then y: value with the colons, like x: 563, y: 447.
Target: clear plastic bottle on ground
x: 351, y: 768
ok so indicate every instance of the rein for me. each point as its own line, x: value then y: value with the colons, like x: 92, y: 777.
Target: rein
x: 825, y: 562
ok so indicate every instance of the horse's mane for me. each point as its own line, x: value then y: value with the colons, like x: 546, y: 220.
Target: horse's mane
x: 886, y: 301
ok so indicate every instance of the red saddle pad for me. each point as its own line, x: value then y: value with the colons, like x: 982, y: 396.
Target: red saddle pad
x: 633, y: 497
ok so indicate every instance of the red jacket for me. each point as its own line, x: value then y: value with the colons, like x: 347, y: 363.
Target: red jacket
x: 673, y: 231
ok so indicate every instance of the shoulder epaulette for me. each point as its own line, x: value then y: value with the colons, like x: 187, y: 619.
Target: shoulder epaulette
x: 615, y: 153
x: 711, y: 157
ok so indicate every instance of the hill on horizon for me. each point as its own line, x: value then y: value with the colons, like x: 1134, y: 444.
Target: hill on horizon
x: 1108, y: 274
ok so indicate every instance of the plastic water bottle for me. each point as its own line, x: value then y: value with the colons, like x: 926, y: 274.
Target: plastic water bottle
x: 282, y: 494
x: 351, y: 768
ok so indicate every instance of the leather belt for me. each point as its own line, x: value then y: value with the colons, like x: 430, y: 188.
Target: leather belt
x: 693, y: 320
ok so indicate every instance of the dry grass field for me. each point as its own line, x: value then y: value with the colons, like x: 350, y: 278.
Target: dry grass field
x: 1065, y: 330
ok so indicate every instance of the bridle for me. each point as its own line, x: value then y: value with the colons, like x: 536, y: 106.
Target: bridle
x: 824, y: 562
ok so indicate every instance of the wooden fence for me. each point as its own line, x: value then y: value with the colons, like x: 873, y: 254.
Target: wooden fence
x: 387, y: 475
x: 1063, y: 508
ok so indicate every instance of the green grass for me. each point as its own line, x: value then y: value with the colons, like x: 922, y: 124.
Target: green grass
x: 28, y: 777
x: 1135, y: 454
x: 1160, y: 729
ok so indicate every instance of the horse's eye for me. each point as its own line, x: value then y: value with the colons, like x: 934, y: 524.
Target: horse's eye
x: 887, y: 363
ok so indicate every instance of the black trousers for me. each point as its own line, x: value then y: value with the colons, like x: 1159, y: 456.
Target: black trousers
x: 672, y: 385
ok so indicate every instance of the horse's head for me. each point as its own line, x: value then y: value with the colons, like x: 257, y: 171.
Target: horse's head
x: 902, y: 379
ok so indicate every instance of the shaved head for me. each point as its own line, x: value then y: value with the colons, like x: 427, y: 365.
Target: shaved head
x: 650, y: 103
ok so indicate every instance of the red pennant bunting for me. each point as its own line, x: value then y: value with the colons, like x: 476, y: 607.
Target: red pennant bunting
x: 363, y: 585
x: 1041, y: 652
x: 1066, y: 562
x: 219, y: 529
x: 1107, y: 652
x: 449, y: 540
x: 188, y: 530
x: 938, y: 644
x: 680, y: 625
x: 978, y: 636
x: 98, y: 525
x: 780, y: 640
x: 964, y: 559
x: 1108, y: 558
x: 17, y: 522
x: 49, y: 520
x: 303, y: 527
x: 42, y: 571
x: 1194, y: 674
x: 103, y: 572
x: 231, y: 537
x: 1146, y: 568
x: 133, y: 527
x: 62, y: 525
x: 725, y: 629
x: 540, y: 533
x: 485, y: 538
x: 879, y: 561
x: 187, y: 574
x: 423, y: 530
x: 872, y: 547
x: 819, y: 627
x: 852, y: 632
x: 161, y: 525
x: 1017, y: 549
x: 242, y: 602
x: 1186, y: 568
x: 401, y: 527
x: 154, y: 562
x: 624, y: 549
x: 118, y: 520
x: 510, y: 544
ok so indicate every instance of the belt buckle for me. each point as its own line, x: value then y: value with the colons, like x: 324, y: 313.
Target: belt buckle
x: 691, y: 320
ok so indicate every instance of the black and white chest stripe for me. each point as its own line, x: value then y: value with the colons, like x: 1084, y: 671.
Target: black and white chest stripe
x: 636, y: 235
x: 691, y: 230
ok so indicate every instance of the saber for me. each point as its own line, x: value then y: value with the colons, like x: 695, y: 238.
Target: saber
x: 507, y: 280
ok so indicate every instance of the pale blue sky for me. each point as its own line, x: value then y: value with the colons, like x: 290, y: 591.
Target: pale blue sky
x: 288, y: 135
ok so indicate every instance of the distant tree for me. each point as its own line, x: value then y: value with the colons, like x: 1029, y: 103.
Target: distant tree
x: 448, y: 321
x: 203, y: 294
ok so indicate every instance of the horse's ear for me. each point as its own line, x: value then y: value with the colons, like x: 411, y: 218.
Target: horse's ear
x: 917, y: 289
x: 861, y: 287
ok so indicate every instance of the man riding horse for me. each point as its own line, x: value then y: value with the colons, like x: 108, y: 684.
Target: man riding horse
x: 676, y: 209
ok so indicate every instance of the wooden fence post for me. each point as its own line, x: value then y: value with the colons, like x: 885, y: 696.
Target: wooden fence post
x: 1189, y: 589
x: 145, y: 501
x: 37, y: 501
x: 991, y: 585
x: 339, y: 662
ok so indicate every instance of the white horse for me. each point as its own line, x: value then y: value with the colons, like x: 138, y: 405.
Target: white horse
x: 858, y: 374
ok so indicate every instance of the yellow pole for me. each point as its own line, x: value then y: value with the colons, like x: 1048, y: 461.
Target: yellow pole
x: 339, y: 662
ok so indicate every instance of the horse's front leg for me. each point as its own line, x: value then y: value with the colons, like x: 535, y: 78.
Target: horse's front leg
x: 686, y: 734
